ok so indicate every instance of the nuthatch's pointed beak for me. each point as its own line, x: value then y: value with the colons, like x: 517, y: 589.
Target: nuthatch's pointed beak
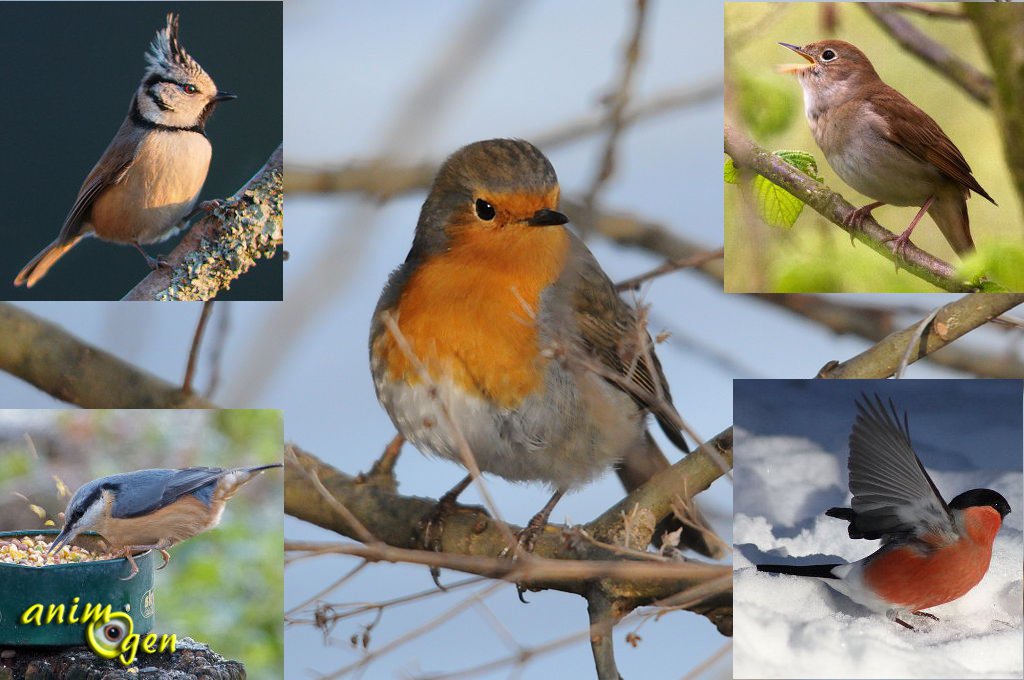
x: 547, y: 218
x: 62, y: 538
x: 224, y: 96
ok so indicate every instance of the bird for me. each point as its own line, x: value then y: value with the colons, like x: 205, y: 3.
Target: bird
x: 932, y: 552
x: 501, y: 335
x: 883, y: 145
x: 150, y: 174
x: 152, y: 509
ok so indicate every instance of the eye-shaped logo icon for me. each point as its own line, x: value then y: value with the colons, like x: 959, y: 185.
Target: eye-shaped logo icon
x: 106, y: 638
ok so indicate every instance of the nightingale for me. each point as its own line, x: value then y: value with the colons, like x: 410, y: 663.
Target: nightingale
x: 881, y: 144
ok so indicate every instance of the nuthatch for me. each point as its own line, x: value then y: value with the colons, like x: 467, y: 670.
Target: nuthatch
x: 152, y: 509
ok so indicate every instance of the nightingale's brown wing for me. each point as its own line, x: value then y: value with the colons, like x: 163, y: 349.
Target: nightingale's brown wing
x: 916, y: 132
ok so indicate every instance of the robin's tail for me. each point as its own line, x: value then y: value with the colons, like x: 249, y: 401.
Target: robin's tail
x: 41, y: 263
x: 817, y: 570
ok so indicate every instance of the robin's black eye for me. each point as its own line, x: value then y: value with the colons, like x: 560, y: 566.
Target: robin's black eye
x: 828, y: 55
x: 484, y: 210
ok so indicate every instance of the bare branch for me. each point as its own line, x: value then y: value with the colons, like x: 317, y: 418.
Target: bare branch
x: 972, y: 81
x: 951, y: 322
x: 45, y: 355
x: 616, y: 102
x: 197, y: 341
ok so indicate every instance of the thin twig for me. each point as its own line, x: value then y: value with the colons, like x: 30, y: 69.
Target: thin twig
x: 217, y: 343
x: 634, y: 282
x: 617, y: 102
x: 915, y: 341
x: 929, y: 10
x: 197, y: 341
x: 972, y: 81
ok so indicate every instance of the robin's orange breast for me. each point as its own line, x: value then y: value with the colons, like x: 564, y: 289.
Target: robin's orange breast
x: 469, y: 314
x: 916, y: 580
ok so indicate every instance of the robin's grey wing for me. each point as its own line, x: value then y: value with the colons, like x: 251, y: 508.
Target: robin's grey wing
x: 892, y: 492
x: 111, y: 169
x: 612, y: 333
x: 139, y: 493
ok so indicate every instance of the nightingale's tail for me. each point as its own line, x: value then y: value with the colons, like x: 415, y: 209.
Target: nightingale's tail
x: 951, y: 216
x: 41, y: 263
x: 817, y: 570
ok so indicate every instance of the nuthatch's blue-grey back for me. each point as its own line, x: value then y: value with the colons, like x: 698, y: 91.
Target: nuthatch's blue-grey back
x: 152, y: 509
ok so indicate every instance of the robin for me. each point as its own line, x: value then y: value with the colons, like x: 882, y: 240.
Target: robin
x: 501, y: 333
x: 932, y: 552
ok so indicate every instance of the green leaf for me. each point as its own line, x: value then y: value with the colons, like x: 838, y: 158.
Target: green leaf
x: 997, y: 267
x: 802, y: 161
x: 730, y: 172
x: 776, y: 206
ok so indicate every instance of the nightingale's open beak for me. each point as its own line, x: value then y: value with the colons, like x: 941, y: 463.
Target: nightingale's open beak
x: 796, y: 68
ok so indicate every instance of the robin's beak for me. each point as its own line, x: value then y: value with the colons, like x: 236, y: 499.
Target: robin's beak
x: 224, y: 96
x: 796, y: 68
x: 547, y: 218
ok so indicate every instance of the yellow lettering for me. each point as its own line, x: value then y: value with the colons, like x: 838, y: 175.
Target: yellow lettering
x: 95, y: 613
x: 149, y: 644
x: 129, y: 648
x: 74, y: 611
x: 33, y: 614
x: 55, y: 611
x: 172, y: 639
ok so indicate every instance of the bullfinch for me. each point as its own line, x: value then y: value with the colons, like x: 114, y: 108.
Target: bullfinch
x: 932, y: 552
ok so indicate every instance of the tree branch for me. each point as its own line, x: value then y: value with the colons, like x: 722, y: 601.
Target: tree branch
x: 951, y: 322
x: 471, y: 539
x: 875, y: 324
x: 223, y: 244
x: 834, y: 208
x: 1000, y: 31
x: 972, y: 81
x: 45, y: 355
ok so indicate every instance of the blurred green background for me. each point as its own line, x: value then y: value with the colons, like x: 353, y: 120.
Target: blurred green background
x: 815, y: 255
x: 223, y: 587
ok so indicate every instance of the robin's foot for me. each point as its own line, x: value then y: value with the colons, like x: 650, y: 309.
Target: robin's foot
x: 930, y: 616
x: 526, y: 538
x: 431, y: 527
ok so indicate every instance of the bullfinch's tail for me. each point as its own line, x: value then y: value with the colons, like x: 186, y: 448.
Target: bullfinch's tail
x: 817, y: 570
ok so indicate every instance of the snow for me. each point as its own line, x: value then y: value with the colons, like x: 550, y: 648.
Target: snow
x: 790, y: 466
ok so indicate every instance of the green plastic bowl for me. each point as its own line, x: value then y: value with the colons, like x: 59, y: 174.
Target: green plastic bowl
x: 64, y: 590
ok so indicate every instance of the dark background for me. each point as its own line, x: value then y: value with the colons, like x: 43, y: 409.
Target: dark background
x: 70, y: 70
